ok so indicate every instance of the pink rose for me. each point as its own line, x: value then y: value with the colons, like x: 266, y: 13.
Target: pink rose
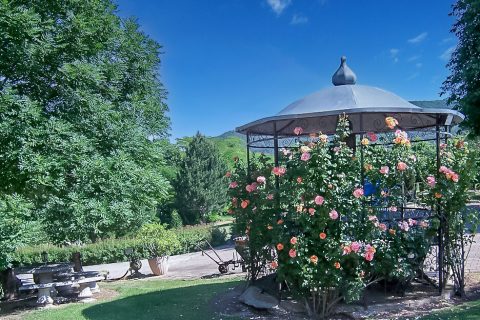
x: 292, y: 253
x: 261, y: 179
x: 402, y: 166
x: 233, y: 185
x: 319, y: 200
x: 369, y: 256
x: 431, y: 181
x: 279, y: 171
x: 311, y: 211
x: 251, y: 187
x: 357, y: 193
x: 305, y: 156
x: 333, y: 214
x: 285, y: 152
x: 293, y: 240
x: 384, y: 170
x: 355, y: 246
x: 372, y: 136
x: 454, y: 177
x: 412, y: 222
x: 298, y: 131
x: 270, y: 196
x: 382, y: 227
x: 443, y: 169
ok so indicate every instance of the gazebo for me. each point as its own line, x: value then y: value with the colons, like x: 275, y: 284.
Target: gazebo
x: 366, y: 107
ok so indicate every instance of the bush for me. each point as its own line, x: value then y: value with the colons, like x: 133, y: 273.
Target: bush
x: 111, y: 250
x: 157, y: 241
x: 213, y: 217
x: 175, y: 220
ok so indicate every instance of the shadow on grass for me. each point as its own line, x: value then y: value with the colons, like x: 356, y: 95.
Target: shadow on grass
x: 190, y: 302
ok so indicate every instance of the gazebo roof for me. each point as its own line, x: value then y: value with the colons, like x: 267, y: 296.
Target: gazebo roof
x: 366, y: 106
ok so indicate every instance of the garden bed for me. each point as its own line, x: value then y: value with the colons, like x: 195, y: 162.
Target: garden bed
x: 418, y: 301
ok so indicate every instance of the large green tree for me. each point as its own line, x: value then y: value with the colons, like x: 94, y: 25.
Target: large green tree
x: 463, y: 84
x: 80, y: 100
x: 200, y: 185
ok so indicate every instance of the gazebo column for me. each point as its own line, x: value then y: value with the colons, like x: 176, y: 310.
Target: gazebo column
x: 275, y: 157
x: 441, y: 248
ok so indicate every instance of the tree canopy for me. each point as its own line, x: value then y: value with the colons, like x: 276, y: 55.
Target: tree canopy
x: 80, y: 100
x: 200, y: 185
x: 463, y: 83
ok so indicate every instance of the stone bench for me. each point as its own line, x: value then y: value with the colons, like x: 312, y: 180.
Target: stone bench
x: 86, y: 282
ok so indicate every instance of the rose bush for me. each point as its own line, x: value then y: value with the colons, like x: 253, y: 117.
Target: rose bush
x: 325, y: 233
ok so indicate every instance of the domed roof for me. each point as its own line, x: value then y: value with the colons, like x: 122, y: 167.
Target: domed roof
x: 347, y: 97
x: 366, y: 106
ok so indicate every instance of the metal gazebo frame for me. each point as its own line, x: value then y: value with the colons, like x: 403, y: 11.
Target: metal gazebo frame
x: 367, y: 107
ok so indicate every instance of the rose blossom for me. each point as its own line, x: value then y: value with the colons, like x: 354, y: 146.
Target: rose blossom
x: 298, y: 131
x: 279, y: 171
x: 369, y: 256
x: 228, y: 174
x: 261, y: 179
x: 391, y: 122
x: 372, y: 136
x: 245, y: 203
x: 251, y: 187
x: 358, y: 192
x: 382, y: 227
x: 443, y: 169
x: 347, y: 250
x: 337, y: 265
x: 323, y: 138
x: 333, y: 214
x: 355, y: 246
x: 304, y: 149
x: 299, y: 180
x: 305, y: 156
x: 319, y: 200
x: 455, y: 177
x: 292, y: 253
x: 431, y: 181
x: 279, y: 246
x: 384, y: 170
x: 233, y: 185
x: 311, y: 211
x: 314, y: 259
x: 280, y: 221
x: 322, y: 235
x: 402, y: 166
x: 270, y: 196
x: 285, y: 152
x: 293, y: 240
x: 274, y: 265
x: 365, y: 142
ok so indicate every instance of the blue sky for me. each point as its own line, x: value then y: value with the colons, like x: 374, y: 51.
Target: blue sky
x: 229, y: 62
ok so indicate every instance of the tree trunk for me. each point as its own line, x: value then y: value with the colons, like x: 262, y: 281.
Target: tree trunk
x: 9, y: 284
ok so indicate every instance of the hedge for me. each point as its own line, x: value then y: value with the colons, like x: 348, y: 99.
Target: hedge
x: 111, y: 250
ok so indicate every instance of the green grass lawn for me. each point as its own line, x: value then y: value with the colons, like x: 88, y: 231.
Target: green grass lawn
x: 467, y: 311
x: 151, y: 299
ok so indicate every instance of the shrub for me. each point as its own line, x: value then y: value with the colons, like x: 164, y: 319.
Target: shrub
x: 111, y: 250
x: 157, y: 241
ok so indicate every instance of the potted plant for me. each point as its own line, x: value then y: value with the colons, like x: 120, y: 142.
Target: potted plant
x: 158, y: 243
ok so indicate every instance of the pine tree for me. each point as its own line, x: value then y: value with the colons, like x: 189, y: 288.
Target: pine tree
x: 200, y: 186
x: 463, y: 84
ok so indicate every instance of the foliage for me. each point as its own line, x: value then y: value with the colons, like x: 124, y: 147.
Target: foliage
x: 157, y: 240
x: 463, y: 83
x: 199, y: 184
x: 111, y: 250
x: 79, y: 97
x: 328, y: 235
x: 247, y: 202
x: 14, y: 214
x: 449, y: 194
